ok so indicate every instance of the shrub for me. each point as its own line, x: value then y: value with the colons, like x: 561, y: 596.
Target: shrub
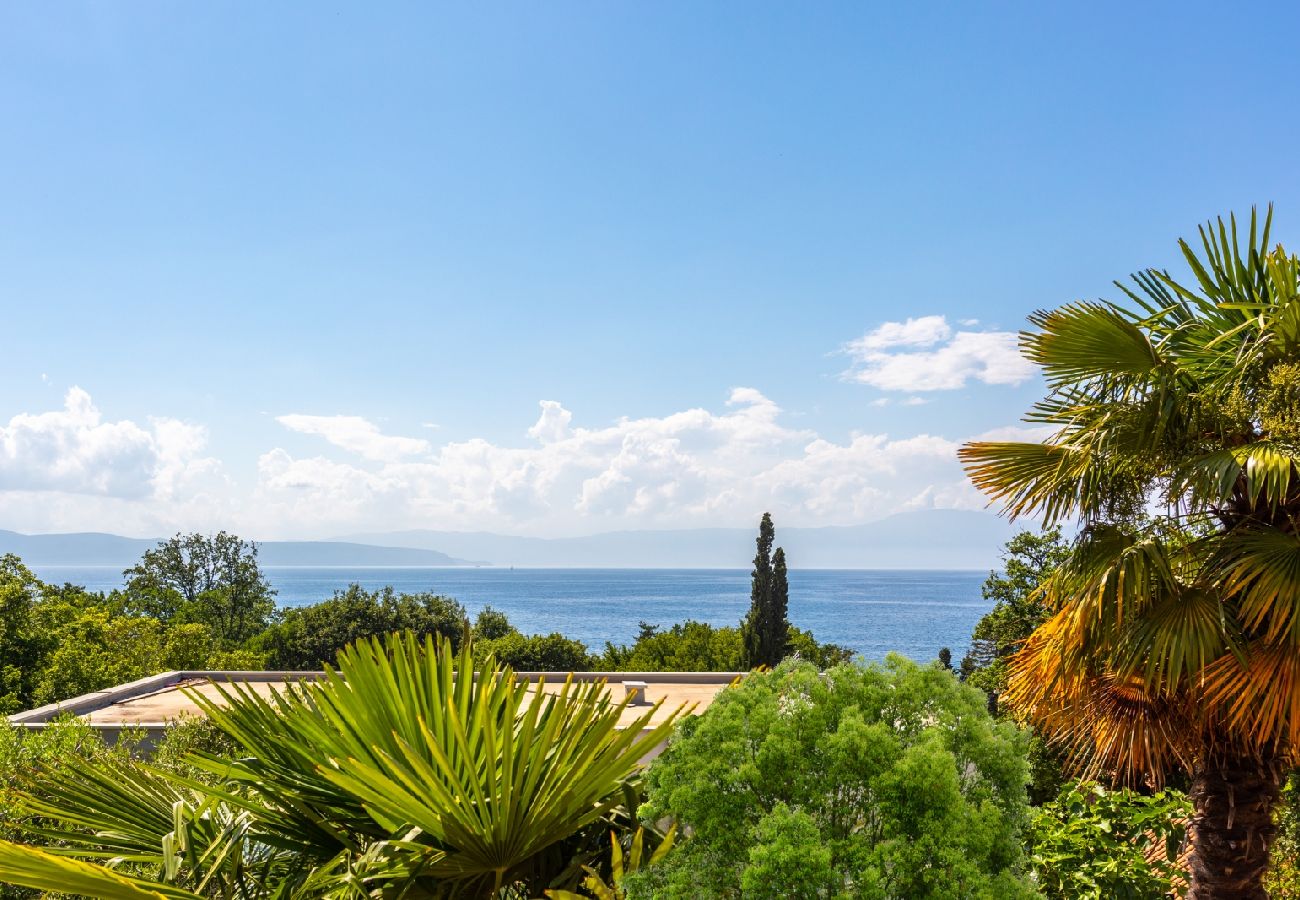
x: 1095, y: 844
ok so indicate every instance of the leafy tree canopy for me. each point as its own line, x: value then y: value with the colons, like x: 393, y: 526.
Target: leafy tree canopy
x: 882, y: 781
x: 306, y: 638
x: 214, y: 580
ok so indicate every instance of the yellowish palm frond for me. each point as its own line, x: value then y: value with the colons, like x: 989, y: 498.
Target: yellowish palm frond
x: 1107, y: 723
x: 1258, y: 696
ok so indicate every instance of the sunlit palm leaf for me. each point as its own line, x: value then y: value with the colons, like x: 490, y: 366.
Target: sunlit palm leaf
x: 1260, y: 569
x: 32, y: 868
x: 1260, y: 697
x: 1086, y: 341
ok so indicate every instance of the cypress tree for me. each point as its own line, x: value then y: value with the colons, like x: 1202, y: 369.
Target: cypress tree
x: 766, y: 629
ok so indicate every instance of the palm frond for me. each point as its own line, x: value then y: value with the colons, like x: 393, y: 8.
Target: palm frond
x: 37, y: 869
x: 1083, y: 342
x: 1258, y: 695
x: 1259, y: 568
x: 1051, y: 480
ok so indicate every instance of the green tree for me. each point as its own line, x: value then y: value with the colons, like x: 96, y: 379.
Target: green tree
x: 880, y: 781
x: 23, y: 646
x: 692, y: 646
x: 1175, y: 619
x: 309, y: 637
x: 33, y: 618
x: 765, y: 630
x: 211, y: 579
x: 491, y: 623
x: 1027, y: 561
x: 685, y: 647
x: 97, y: 650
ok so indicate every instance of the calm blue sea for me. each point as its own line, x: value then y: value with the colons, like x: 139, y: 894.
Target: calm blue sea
x: 873, y: 612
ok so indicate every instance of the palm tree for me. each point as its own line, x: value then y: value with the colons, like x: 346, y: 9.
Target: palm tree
x: 406, y: 773
x: 1174, y: 638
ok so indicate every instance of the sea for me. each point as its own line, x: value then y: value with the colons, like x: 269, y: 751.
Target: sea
x: 872, y: 612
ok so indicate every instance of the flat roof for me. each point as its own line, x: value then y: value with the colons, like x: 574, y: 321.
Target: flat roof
x: 153, y: 703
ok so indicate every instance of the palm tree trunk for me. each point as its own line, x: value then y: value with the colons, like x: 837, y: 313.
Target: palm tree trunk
x: 1232, y: 829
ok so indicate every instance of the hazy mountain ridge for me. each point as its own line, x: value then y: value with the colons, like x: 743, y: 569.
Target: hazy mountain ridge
x: 97, y: 549
x: 927, y: 539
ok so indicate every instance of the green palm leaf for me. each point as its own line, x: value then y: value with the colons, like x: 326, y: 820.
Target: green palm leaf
x: 1260, y: 569
x: 1087, y: 341
x: 32, y: 868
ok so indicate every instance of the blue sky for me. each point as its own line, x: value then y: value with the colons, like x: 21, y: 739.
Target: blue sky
x: 312, y: 268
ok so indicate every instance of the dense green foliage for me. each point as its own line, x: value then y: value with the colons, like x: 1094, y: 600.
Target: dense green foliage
x: 56, y: 642
x: 765, y: 631
x: 692, y: 646
x: 27, y: 755
x: 306, y: 638
x: 1096, y: 844
x: 882, y: 781
x: 1283, y: 881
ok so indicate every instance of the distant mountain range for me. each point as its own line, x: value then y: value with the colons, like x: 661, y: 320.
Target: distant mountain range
x: 926, y: 539
x: 93, y: 549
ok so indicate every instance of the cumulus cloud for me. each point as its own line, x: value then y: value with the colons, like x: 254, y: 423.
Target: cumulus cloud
x: 70, y: 469
x: 73, y: 450
x: 553, y: 424
x: 927, y: 354
x: 691, y: 468
x: 356, y: 435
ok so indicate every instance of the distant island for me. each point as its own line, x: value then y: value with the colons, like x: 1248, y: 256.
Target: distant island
x: 95, y: 549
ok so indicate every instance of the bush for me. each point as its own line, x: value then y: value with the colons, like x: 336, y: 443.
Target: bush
x: 309, y: 637
x: 873, y: 781
x: 692, y: 646
x: 1095, y: 844
x: 536, y: 652
x: 1283, y: 881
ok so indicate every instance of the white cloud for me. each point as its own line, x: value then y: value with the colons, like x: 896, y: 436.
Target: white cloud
x: 922, y: 332
x: 69, y: 469
x: 553, y: 424
x: 926, y: 354
x: 74, y: 451
x: 356, y: 435
x: 691, y: 468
